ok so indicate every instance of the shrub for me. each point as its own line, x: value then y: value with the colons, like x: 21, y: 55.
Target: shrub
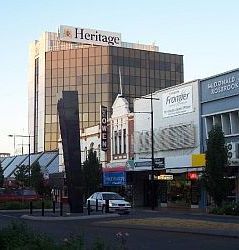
x: 227, y: 209
x: 12, y: 205
x: 19, y: 236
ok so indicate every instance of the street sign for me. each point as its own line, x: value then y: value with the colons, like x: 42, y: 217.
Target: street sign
x: 159, y: 163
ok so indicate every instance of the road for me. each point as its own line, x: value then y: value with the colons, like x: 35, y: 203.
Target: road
x: 139, y: 237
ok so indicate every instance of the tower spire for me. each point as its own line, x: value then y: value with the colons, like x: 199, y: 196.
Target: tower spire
x: 121, y: 91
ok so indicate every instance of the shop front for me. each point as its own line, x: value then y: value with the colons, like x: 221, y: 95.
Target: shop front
x: 220, y: 106
x: 178, y: 189
x: 117, y: 178
x: 184, y: 190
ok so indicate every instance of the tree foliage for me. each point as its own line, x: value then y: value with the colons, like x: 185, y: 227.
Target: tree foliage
x: 91, y: 173
x: 22, y: 175
x: 37, y: 178
x: 216, y: 164
x: 1, y: 175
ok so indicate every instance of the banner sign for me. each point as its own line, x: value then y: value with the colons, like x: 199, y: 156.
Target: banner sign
x: 178, y: 101
x: 114, y: 178
x: 89, y: 36
x: 103, y: 128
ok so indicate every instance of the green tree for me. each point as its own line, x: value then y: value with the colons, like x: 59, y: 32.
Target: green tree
x: 22, y: 175
x: 37, y: 178
x: 91, y: 173
x: 216, y: 164
x: 1, y: 175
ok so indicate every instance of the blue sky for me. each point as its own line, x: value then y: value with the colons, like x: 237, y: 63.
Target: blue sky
x: 205, y: 32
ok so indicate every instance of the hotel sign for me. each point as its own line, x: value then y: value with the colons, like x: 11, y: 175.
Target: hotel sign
x: 89, y: 36
x: 177, y: 101
x: 103, y: 128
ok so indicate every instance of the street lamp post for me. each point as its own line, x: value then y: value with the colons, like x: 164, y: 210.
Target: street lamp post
x: 29, y: 152
x: 152, y: 152
x: 152, y: 146
x: 151, y: 98
x: 14, y: 143
x: 29, y: 159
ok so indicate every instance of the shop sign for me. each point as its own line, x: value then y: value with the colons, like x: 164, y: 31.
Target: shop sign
x: 177, y: 101
x: 198, y: 160
x: 114, y: 178
x: 103, y: 128
x: 220, y: 87
x: 164, y: 177
x: 192, y: 176
x: 158, y: 163
x: 89, y: 36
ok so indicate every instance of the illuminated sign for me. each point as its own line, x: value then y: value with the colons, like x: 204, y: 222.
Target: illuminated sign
x: 103, y: 128
x: 164, y: 177
x: 89, y: 36
x: 192, y: 176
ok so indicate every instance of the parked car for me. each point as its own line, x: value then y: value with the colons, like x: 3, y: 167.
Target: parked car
x: 18, y: 195
x: 116, y: 202
x: 27, y: 194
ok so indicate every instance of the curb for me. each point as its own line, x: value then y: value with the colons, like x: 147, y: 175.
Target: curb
x: 27, y: 210
x: 82, y: 217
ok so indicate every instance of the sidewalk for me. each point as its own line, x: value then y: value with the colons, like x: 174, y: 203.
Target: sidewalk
x: 69, y: 217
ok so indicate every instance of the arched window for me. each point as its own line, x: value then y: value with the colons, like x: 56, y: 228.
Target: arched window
x: 92, y: 145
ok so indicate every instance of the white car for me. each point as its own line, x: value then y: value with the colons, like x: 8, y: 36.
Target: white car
x: 116, y: 202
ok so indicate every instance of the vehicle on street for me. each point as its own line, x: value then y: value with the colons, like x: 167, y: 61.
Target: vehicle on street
x: 116, y: 202
x: 18, y: 195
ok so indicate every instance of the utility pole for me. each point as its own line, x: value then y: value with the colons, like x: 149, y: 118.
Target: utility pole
x: 29, y: 159
x: 151, y: 112
x: 152, y: 154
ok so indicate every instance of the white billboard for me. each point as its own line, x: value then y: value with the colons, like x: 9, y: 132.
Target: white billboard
x: 89, y: 36
x: 177, y: 101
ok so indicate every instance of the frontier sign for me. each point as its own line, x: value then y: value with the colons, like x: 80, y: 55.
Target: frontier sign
x: 89, y: 36
x: 177, y: 101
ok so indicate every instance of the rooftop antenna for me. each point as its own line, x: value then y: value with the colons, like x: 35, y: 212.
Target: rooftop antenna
x: 121, y: 92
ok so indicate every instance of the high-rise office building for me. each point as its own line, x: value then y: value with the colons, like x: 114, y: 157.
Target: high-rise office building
x: 90, y: 61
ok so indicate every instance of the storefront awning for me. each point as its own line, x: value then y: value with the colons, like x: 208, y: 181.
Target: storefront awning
x: 119, y: 166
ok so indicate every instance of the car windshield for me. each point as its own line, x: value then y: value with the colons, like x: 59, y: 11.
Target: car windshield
x: 112, y: 196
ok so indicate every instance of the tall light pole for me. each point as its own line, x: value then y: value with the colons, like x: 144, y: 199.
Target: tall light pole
x: 29, y: 152
x: 152, y: 145
x: 152, y: 152
x: 29, y: 159
x: 14, y: 143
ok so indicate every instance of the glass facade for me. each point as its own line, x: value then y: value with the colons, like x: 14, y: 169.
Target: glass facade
x: 94, y: 73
